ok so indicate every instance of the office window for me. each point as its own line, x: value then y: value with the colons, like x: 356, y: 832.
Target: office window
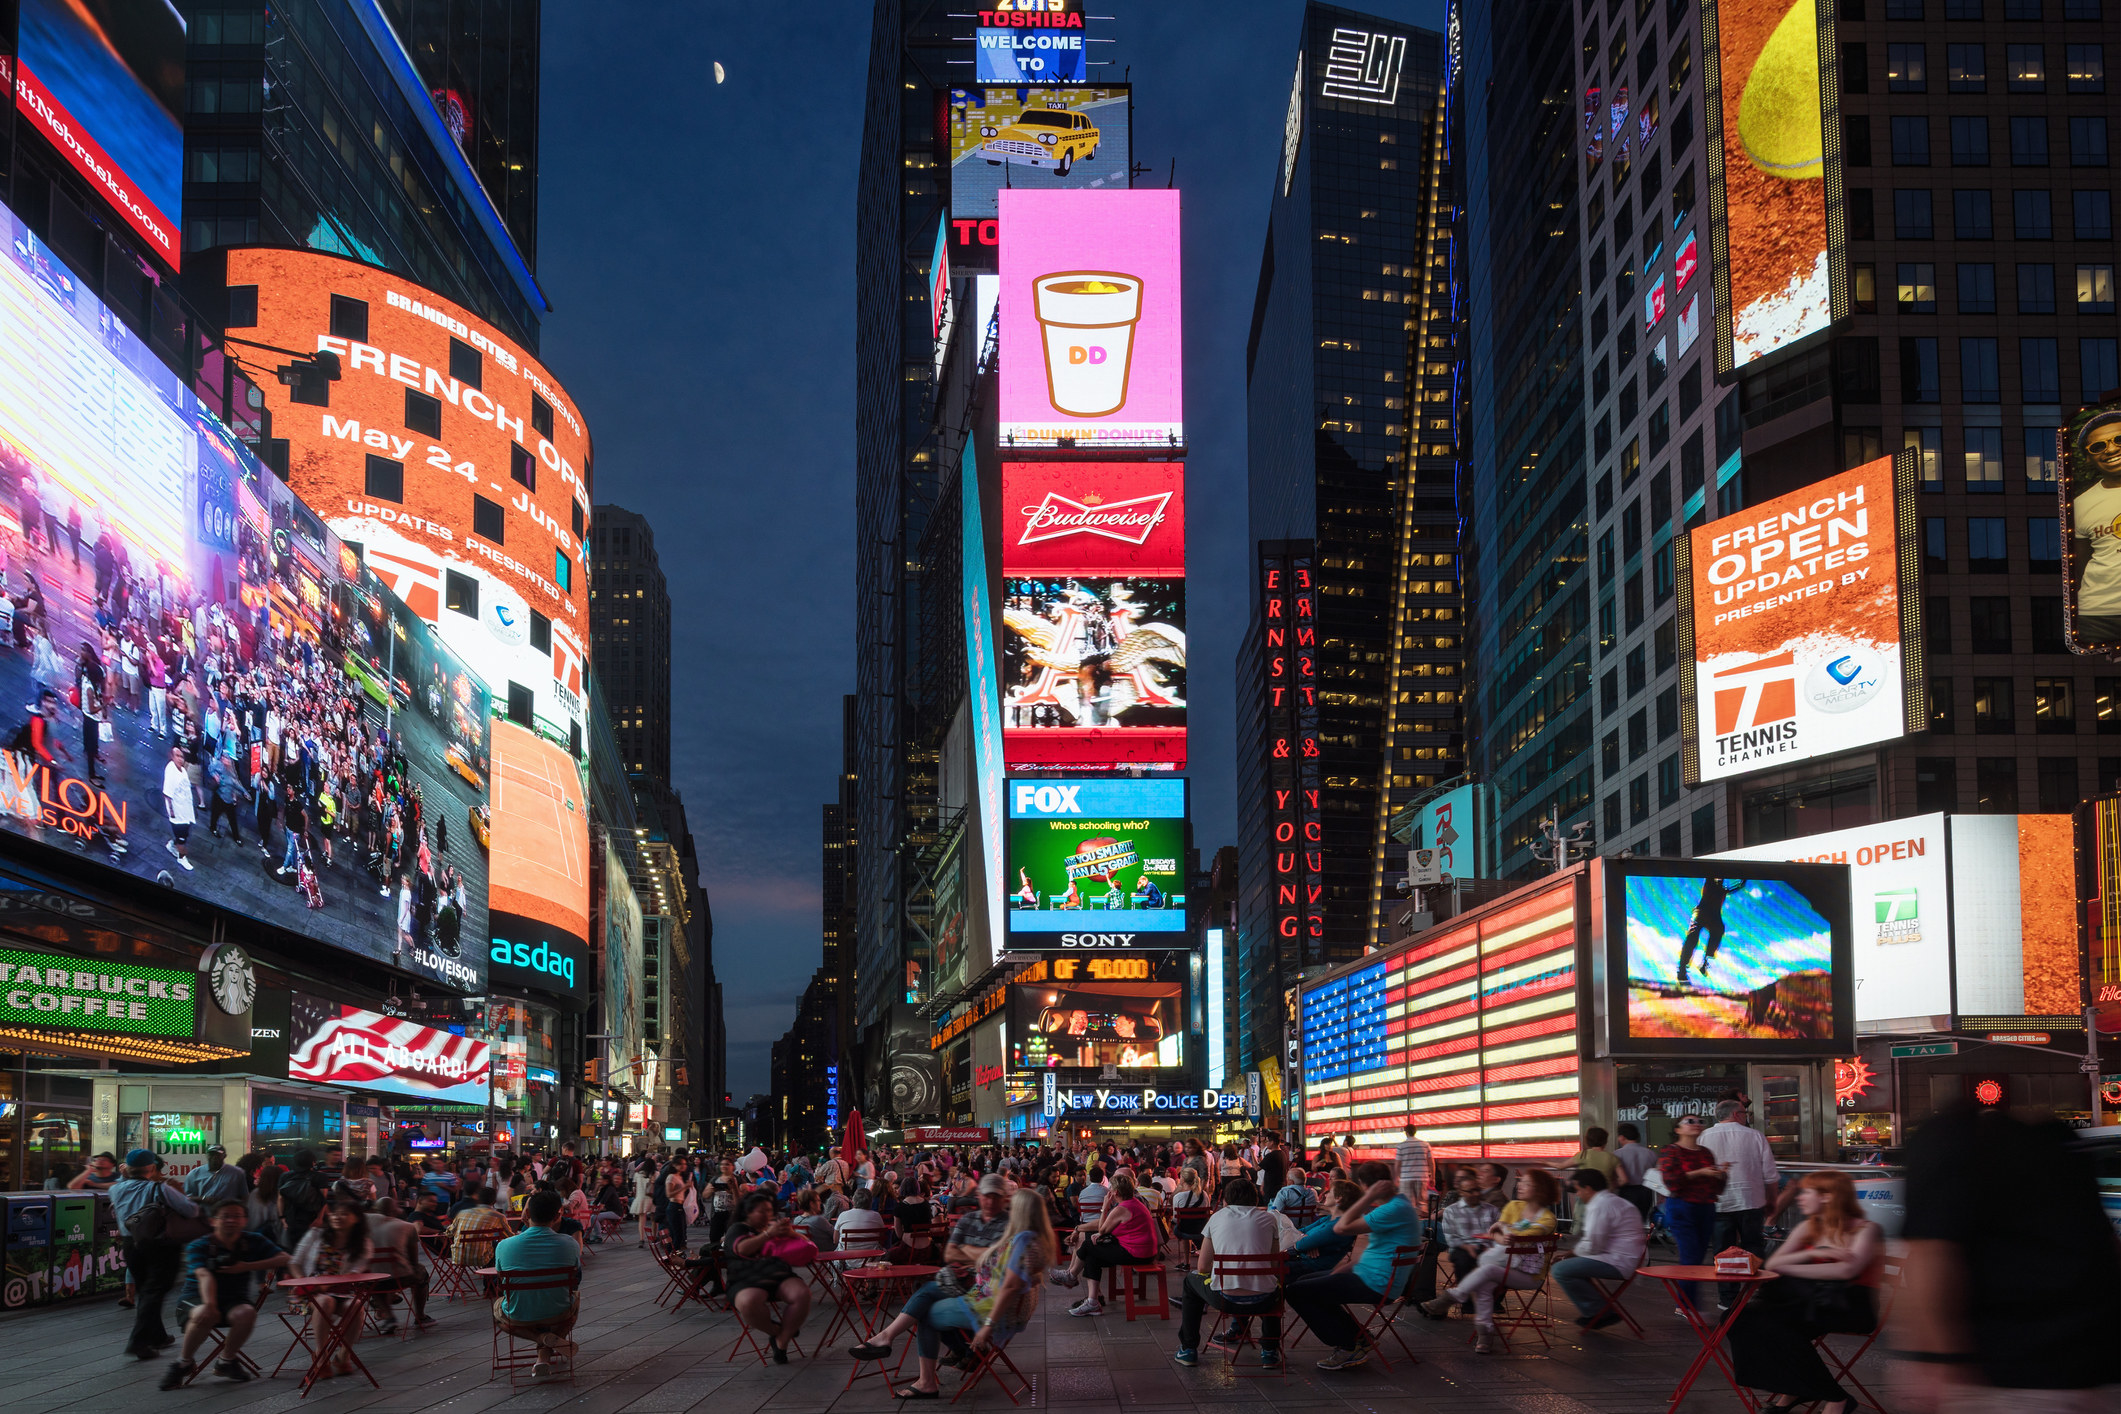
x: 1984, y: 460
x: 1962, y: 9
x: 2036, y: 289
x: 2021, y: 9
x: 1864, y: 277
x: 1973, y: 217
x: 1903, y: 9
x: 1609, y: 692
x: 2043, y: 544
x: 563, y: 570
x: 2041, y: 464
x: 1667, y: 645
x: 1631, y: 601
x: 1639, y: 799
x: 2080, y: 9
x: 1630, y: 401
x: 385, y: 479
x: 1668, y: 714
x: 541, y: 417
x: 1941, y: 720
x: 1936, y: 784
x: 2028, y: 142
x: 1605, y: 558
x: 1977, y: 289
x: 1601, y: 379
x: 1969, y: 142
x: 2047, y: 623
x: 460, y: 594
x: 2039, y: 380
x: 1904, y: 69
x: 1612, y: 815
x: 2087, y: 67
x: 1992, y: 707
x: 540, y: 633
x: 487, y: 519
x: 522, y: 466
x: 2058, y: 782
x: 1987, y: 551
x: 2094, y: 212
x: 1911, y: 142
x: 423, y: 414
x: 1704, y: 830
x: 1917, y: 293
x: 1989, y: 618
x: 2032, y: 218
x: 1966, y: 68
x: 466, y: 364
x: 1919, y: 381
x: 1605, y: 495
x: 2106, y: 711
x: 1934, y: 555
x: 1862, y: 215
x: 1996, y: 785
x: 1661, y: 573
x: 2087, y: 142
x: 1668, y: 781
x: 1855, y: 141
x: 1860, y: 445
x: 1638, y: 735
x: 2098, y: 367
x: 1668, y: 839
x: 1937, y: 625
x: 1913, y: 216
x: 1980, y: 380
x: 2027, y: 66
x: 1638, y: 665
x: 1609, y: 754
x: 1928, y: 445
x: 349, y: 319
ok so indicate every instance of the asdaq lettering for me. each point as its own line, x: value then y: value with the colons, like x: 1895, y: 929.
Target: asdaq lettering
x: 541, y: 959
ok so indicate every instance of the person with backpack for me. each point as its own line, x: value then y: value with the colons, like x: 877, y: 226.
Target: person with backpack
x: 156, y: 1220
x: 302, y: 1195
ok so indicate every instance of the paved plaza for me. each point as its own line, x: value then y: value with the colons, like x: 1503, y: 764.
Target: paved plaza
x: 637, y: 1357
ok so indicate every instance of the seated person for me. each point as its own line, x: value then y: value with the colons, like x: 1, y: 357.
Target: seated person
x: 1365, y: 1276
x: 1319, y: 1248
x: 1610, y: 1243
x: 394, y: 1247
x: 862, y: 1222
x: 757, y: 1277
x: 1529, y: 1215
x: 1295, y: 1194
x: 474, y: 1231
x: 427, y: 1213
x: 219, y: 1290
x: 1126, y: 1234
x: 1464, y: 1222
x: 1240, y: 1228
x: 547, y: 1316
x: 809, y: 1220
x: 1094, y: 1191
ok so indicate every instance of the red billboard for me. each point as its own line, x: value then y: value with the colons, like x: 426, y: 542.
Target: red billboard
x: 1094, y: 518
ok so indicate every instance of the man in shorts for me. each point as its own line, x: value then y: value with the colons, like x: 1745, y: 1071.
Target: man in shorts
x: 219, y: 1290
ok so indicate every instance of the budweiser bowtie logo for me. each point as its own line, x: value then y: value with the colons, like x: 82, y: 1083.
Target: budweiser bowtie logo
x: 1129, y: 522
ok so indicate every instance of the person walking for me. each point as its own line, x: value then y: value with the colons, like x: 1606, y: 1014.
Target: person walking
x: 1693, y: 1181
x: 1750, y: 1179
x: 154, y: 1244
x: 1610, y: 1243
x: 216, y: 1181
x: 1415, y: 1169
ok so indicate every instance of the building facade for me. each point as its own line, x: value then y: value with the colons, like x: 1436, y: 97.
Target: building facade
x: 629, y: 620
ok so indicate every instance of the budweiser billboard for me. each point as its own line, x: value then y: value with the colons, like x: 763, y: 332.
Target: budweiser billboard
x: 1093, y: 663
x: 336, y: 1044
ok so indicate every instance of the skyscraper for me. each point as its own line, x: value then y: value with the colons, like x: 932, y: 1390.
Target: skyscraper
x: 1353, y: 386
x: 629, y: 620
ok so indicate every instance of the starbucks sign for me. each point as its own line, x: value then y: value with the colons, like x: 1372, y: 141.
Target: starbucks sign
x: 81, y: 994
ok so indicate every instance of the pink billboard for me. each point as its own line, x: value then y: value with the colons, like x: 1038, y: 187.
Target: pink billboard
x: 1090, y: 319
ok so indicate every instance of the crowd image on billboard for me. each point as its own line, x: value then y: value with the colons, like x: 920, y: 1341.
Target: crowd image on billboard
x: 1727, y: 958
x: 207, y: 688
x: 1091, y: 652
x: 2091, y: 511
x: 1034, y: 136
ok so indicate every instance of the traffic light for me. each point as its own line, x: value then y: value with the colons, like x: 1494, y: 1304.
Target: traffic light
x: 590, y: 1072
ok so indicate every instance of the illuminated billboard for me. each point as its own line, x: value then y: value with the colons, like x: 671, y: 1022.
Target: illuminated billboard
x: 1089, y: 1024
x: 984, y: 703
x: 1756, y: 963
x: 541, y: 862
x: 1103, y: 856
x: 452, y: 458
x: 1768, y: 173
x: 1094, y: 518
x: 1091, y: 319
x: 2091, y: 520
x: 1804, y: 620
x: 1029, y: 56
x: 103, y: 82
x: 147, y: 548
x: 335, y: 1044
x: 1036, y: 138
x: 1094, y: 671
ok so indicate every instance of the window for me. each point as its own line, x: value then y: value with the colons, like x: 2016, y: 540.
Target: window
x: 1969, y: 142
x: 1660, y: 427
x: 2087, y: 67
x: 1638, y: 736
x: 1661, y: 573
x: 1856, y: 374
x: 1606, y: 561
x: 1630, y: 401
x: 1608, y: 628
x: 1911, y: 142
x: 1928, y: 445
x: 1936, y: 784
x: 1601, y: 379
x: 1934, y: 557
x: 541, y: 417
x: 2094, y: 289
x: 1683, y: 184
x: 521, y: 704
x: 1918, y: 370
x: 1605, y: 499
x: 1996, y: 785
x: 2058, y: 780
x: 1667, y: 645
x: 1866, y: 292
x: 349, y: 319
x: 488, y: 520
x: 385, y: 480
x: 522, y: 466
x: 1989, y: 616
x: 1668, y: 714
x: 1609, y: 692
x: 1638, y: 800
x: 1962, y: 9
x: 2036, y: 290
x: 1966, y: 68
x: 1903, y: 9
x: 1987, y: 552
x: 1860, y: 445
x: 2027, y: 68
x: 2106, y: 709
x: 1704, y: 828
x: 2080, y: 9
x: 1668, y: 838
x: 2047, y: 624
x: 2031, y: 218
x: 460, y: 594
x: 2087, y: 142
x: 2094, y: 211
x: 1918, y: 288
x: 423, y: 414
x: 563, y: 571
x: 2028, y: 142
x: 1937, y: 625
x: 1913, y: 219
x: 1992, y: 707
x: 2040, y: 460
x: 1904, y: 71
x: 1855, y: 141
x: 1977, y: 289
x: 1638, y: 662
x: 1984, y: 460
x: 2021, y: 9
x: 1979, y: 379
x: 1972, y: 216
x: 1668, y: 780
x: 540, y: 633
x: 2099, y: 368
x: 466, y: 364
x: 1609, y: 754
x: 1612, y: 814
x: 1941, y: 721
x: 1862, y: 217
x: 216, y: 165
x: 2039, y: 380
x: 1631, y: 601
x: 2043, y: 545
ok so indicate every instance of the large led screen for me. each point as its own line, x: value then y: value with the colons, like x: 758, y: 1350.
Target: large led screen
x: 1011, y: 56
x: 1094, y: 518
x: 199, y: 640
x: 1767, y: 192
x: 541, y: 864
x: 1094, y: 671
x: 103, y: 82
x: 1095, y: 857
x: 1033, y: 137
x: 983, y: 704
x: 1758, y: 960
x: 1796, y: 609
x: 336, y: 1044
x: 2091, y: 519
x: 452, y: 457
x: 1090, y: 1024
x: 1091, y: 319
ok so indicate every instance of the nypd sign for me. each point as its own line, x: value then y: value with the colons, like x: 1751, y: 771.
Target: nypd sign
x: 1144, y: 1100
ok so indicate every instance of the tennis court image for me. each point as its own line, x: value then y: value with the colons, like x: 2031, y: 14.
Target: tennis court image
x: 540, y: 832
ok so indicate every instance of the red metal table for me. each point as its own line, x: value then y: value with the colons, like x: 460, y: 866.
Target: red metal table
x: 340, y: 1330
x: 887, y: 1282
x: 1675, y: 1279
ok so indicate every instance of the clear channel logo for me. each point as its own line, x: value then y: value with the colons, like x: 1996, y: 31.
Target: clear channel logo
x: 1844, y: 683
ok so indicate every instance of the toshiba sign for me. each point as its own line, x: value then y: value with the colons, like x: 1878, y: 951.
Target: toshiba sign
x: 1798, y: 620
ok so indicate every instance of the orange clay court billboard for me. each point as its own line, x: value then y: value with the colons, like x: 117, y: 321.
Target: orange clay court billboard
x: 1774, y: 140
x: 1802, y: 619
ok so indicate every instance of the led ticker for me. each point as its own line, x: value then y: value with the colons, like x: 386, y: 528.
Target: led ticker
x: 1288, y: 661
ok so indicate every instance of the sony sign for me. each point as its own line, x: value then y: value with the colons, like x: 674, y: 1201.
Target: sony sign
x: 1101, y: 942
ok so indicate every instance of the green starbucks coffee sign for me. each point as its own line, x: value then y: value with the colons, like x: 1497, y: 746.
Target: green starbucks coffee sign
x: 80, y: 994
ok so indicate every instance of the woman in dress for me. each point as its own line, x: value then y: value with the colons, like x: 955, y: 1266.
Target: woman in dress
x: 1830, y: 1268
x: 336, y: 1247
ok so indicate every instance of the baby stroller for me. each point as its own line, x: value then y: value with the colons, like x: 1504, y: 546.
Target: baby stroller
x: 306, y: 880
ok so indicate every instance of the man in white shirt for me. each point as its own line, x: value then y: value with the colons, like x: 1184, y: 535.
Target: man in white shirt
x: 177, y: 805
x: 1414, y: 1168
x: 1240, y: 1228
x: 1610, y: 1243
x: 1751, y: 1179
x: 2095, y: 519
x: 861, y: 1218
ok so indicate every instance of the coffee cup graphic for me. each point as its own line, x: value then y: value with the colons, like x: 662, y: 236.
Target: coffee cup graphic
x: 1086, y: 318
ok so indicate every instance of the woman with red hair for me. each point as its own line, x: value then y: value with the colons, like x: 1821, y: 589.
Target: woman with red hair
x: 1829, y: 1272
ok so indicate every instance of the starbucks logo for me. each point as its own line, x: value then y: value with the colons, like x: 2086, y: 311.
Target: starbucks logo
x: 230, y: 978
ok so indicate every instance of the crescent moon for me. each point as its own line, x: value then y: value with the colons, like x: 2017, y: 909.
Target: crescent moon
x: 718, y: 74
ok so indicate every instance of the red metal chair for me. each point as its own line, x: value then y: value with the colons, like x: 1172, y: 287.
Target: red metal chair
x: 506, y: 1356
x: 990, y: 1357
x: 1611, y: 1297
x: 746, y: 1338
x: 1525, y: 1315
x: 1273, y: 1265
x: 1384, y: 1317
x: 1844, y: 1368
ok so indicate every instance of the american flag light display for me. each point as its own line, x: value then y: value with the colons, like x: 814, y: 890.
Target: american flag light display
x: 1469, y: 1032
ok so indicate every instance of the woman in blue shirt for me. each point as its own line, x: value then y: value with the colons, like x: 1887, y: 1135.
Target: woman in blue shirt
x: 1321, y: 1247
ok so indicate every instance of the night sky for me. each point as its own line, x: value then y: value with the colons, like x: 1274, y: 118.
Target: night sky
x: 697, y: 244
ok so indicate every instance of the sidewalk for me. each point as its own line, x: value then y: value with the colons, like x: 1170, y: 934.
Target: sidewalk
x: 638, y: 1358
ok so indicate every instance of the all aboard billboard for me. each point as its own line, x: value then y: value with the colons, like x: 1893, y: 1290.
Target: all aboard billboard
x: 337, y: 1044
x: 1803, y: 619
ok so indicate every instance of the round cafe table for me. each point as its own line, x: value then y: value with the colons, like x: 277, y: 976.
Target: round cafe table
x: 880, y: 1285
x: 1676, y: 1279
x: 337, y: 1333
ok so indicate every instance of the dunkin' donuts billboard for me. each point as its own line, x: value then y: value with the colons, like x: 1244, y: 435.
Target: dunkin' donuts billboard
x: 1090, y: 320
x: 1804, y: 620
